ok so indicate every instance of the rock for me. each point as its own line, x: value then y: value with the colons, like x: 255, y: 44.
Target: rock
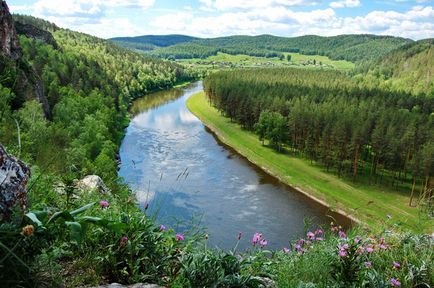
x: 138, y: 285
x: 267, y: 282
x: 14, y: 175
x: 9, y: 44
x: 92, y: 183
x: 35, y: 33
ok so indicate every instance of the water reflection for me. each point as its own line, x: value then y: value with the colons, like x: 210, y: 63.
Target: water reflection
x: 175, y: 164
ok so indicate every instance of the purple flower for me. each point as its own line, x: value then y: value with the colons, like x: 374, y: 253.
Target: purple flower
x: 357, y: 239
x: 383, y: 246
x: 319, y: 239
x: 369, y: 249
x: 396, y: 265
x: 286, y: 250
x: 395, y: 282
x: 342, y: 253
x: 342, y: 234
x: 310, y: 235
x: 368, y: 264
x: 256, y: 238
x: 103, y: 204
x: 263, y: 242
x: 163, y: 228
x: 301, y: 241
x: 179, y: 237
x: 123, y: 241
x: 319, y: 232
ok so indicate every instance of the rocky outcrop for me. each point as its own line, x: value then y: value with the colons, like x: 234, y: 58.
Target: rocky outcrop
x: 92, y: 183
x: 19, y: 76
x: 35, y: 33
x: 9, y: 44
x: 14, y: 175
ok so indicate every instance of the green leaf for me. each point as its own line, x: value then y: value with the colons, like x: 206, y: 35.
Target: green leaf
x: 82, y: 209
x: 61, y: 214
x: 76, y: 231
x: 32, y: 216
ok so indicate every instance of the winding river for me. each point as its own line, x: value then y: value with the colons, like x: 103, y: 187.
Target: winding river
x: 186, y: 175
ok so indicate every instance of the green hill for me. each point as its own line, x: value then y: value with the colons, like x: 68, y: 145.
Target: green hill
x: 353, y: 48
x: 408, y: 68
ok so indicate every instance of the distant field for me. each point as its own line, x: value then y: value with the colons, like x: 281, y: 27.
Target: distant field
x: 369, y: 203
x: 297, y: 60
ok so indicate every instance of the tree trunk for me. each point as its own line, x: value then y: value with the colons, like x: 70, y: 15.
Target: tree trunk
x: 412, y: 192
x: 356, y: 160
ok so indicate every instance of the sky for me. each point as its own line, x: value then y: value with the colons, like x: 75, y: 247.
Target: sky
x: 212, y: 18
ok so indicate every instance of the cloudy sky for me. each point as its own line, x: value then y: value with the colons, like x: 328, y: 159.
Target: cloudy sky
x: 210, y: 18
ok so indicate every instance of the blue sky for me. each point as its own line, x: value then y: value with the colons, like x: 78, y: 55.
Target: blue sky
x: 211, y: 18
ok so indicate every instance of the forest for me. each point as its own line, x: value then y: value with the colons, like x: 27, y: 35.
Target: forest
x: 332, y: 119
x: 354, y: 48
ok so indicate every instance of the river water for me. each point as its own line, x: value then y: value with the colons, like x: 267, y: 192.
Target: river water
x: 176, y: 165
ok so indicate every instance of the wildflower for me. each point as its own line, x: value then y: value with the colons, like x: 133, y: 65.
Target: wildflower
x: 301, y: 241
x: 179, y: 237
x: 286, y: 250
x: 310, y: 235
x: 319, y: 239
x: 368, y: 264
x: 369, y: 250
x: 123, y: 241
x: 396, y: 265
x: 28, y: 230
x: 383, y: 246
x: 103, y: 204
x: 256, y: 238
x: 342, y: 234
x: 342, y: 253
x: 395, y: 282
x: 263, y: 242
x: 357, y: 239
x: 163, y: 228
x: 319, y: 232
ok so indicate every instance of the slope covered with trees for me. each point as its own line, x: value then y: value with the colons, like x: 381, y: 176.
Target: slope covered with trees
x: 329, y: 118
x: 353, y: 48
x: 408, y: 68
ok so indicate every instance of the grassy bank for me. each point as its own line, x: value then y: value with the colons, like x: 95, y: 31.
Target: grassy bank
x: 368, y: 203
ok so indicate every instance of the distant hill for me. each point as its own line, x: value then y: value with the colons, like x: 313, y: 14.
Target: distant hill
x: 354, y: 48
x: 408, y: 68
x: 156, y: 40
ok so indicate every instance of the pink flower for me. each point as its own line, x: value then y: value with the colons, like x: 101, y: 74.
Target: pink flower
x: 342, y: 234
x: 301, y: 241
x: 319, y: 232
x: 395, y: 282
x: 310, y: 235
x: 357, y: 239
x: 342, y: 253
x: 319, y: 239
x: 103, y: 204
x: 369, y: 250
x: 383, y: 246
x: 396, y: 265
x: 179, y: 237
x: 123, y: 241
x: 256, y: 238
x: 286, y: 250
x: 368, y: 264
x: 263, y: 242
x: 163, y: 228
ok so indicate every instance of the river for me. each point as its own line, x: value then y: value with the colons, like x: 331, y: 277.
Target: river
x: 183, y: 172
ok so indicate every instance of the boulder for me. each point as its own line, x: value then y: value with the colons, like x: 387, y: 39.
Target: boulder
x: 14, y: 176
x: 92, y: 183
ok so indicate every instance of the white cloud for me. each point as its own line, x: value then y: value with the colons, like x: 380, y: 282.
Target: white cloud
x: 345, y: 3
x: 251, y: 4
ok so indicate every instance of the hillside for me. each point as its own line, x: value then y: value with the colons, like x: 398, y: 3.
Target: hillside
x: 408, y: 68
x: 343, y: 47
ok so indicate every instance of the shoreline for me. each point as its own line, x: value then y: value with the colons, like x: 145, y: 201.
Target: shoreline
x: 352, y: 219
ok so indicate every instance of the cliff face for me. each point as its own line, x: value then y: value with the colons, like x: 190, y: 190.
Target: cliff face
x: 20, y: 76
x: 9, y: 44
x: 35, y: 33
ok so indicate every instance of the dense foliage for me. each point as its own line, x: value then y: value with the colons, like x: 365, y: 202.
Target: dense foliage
x: 331, y: 119
x: 156, y: 40
x: 353, y: 48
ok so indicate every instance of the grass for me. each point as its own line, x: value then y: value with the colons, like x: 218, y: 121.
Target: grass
x: 297, y: 60
x: 368, y: 203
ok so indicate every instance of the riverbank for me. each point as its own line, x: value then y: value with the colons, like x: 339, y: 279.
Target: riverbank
x: 372, y: 205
